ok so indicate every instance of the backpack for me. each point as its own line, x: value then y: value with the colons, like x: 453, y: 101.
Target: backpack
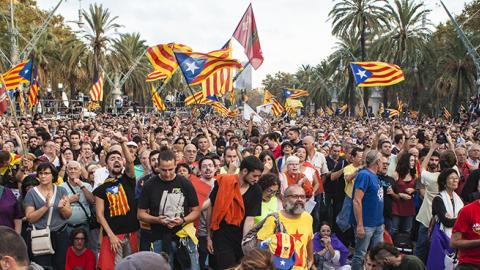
x: 250, y: 240
x: 403, y: 243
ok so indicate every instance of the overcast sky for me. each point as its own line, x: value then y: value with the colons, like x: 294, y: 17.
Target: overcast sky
x: 292, y: 32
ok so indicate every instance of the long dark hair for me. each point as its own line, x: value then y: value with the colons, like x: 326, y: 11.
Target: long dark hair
x: 403, y: 167
x: 269, y: 153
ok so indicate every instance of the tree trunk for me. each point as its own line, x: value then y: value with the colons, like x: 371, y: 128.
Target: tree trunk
x: 351, y: 94
x: 366, y: 92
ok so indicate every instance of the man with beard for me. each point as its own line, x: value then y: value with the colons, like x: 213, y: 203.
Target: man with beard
x: 429, y: 174
x: 116, y: 208
x: 203, y: 185
x: 234, y: 202
x: 145, y: 230
x: 168, y: 202
x: 298, y: 224
x: 367, y: 208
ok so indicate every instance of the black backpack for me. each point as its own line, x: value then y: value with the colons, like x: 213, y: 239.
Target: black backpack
x: 403, y: 243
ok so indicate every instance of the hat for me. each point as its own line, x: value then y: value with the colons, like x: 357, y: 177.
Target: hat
x: 134, y: 144
x: 292, y: 159
x: 282, y: 248
x: 144, y: 260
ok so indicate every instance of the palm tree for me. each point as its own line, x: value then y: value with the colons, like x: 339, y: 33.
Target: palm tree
x: 359, y: 16
x: 100, y: 24
x: 74, y: 60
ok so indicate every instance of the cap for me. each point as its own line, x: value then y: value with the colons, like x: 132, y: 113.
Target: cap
x: 144, y: 260
x: 130, y: 143
x: 282, y: 248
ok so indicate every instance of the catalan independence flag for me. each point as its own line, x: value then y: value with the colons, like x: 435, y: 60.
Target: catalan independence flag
x: 446, y: 113
x: 267, y: 97
x: 368, y: 74
x: 295, y: 93
x: 197, y: 67
x: 197, y: 97
x: 163, y: 60
x: 117, y: 200
x: 221, y: 81
x: 34, y: 90
x: 391, y: 113
x: 277, y: 108
x: 157, y: 100
x: 96, y: 92
x: 20, y: 73
x: 341, y: 110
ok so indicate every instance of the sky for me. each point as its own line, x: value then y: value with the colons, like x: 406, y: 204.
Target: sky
x: 291, y: 32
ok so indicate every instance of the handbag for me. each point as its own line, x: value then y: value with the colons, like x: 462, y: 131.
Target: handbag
x: 41, y: 241
x: 92, y: 222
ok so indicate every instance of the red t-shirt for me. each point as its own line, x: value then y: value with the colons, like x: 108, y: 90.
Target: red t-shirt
x: 86, y: 261
x: 202, y: 189
x: 277, y: 152
x: 468, y: 223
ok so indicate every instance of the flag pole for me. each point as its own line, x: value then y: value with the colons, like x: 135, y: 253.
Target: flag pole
x: 191, y: 91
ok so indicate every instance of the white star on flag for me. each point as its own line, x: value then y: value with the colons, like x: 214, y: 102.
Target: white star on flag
x: 191, y: 67
x: 361, y: 73
x: 282, y: 262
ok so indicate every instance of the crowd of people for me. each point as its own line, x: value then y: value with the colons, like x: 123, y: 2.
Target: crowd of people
x: 223, y: 193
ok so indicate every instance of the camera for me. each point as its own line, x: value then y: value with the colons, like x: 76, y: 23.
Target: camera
x: 441, y: 138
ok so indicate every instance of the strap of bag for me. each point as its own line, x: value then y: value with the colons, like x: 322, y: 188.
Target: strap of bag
x: 81, y: 205
x: 50, y: 210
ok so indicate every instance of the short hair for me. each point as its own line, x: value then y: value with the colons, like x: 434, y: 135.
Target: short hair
x: 75, y: 132
x: 268, y: 180
x: 111, y: 153
x: 383, y: 250
x: 13, y: 245
x: 271, y: 136
x: 74, y: 163
x: 442, y: 178
x: 230, y: 148
x: 166, y: 155
x: 397, y: 138
x: 382, y: 142
x: 153, y: 153
x: 4, y: 156
x: 183, y: 165
x: 44, y: 135
x: 47, y: 165
x: 355, y: 151
x: 201, y: 161
x: 86, y: 143
x: 371, y: 158
x: 448, y: 159
x: 251, y: 164
x: 294, y: 186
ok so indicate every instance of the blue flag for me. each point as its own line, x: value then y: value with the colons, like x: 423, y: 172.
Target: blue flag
x: 287, y: 93
x: 441, y: 255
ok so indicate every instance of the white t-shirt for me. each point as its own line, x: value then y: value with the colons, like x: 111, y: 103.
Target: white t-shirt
x: 319, y: 162
x: 429, y: 180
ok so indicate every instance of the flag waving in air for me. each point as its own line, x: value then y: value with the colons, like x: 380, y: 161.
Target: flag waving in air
x: 294, y: 93
x: 221, y: 81
x: 20, y: 73
x: 267, y: 97
x: 163, y: 60
x: 368, y: 74
x: 157, y: 100
x: 34, y: 89
x: 197, y: 67
x: 246, y: 34
x: 96, y: 92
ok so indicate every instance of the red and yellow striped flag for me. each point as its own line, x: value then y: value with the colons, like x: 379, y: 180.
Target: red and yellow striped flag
x: 277, y: 108
x: 267, y: 97
x: 221, y: 81
x: 197, y: 97
x: 157, y: 100
x: 368, y: 74
x: 20, y: 73
x: 96, y: 92
x: 163, y: 60
x: 34, y: 90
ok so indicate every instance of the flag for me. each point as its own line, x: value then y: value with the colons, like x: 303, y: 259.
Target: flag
x: 154, y: 76
x: 277, y: 108
x: 399, y: 104
x: 3, y: 97
x: 441, y: 255
x: 197, y: 67
x: 163, y: 60
x: 267, y: 97
x: 368, y: 74
x: 221, y: 81
x: 195, y: 98
x: 96, y: 92
x: 232, y: 98
x: 329, y: 111
x: 250, y: 114
x: 321, y: 112
x: 446, y: 113
x: 21, y: 102
x: 391, y: 113
x: 233, y: 113
x: 341, y: 110
x: 246, y: 34
x: 93, y: 106
x: 34, y: 90
x: 293, y: 103
x: 266, y: 108
x: 294, y: 93
x: 157, y: 100
x: 20, y: 73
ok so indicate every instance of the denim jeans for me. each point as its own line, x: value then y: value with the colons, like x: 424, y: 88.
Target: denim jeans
x: 373, y: 235
x: 192, y: 251
x: 343, y: 218
x: 422, y: 248
x: 401, y: 224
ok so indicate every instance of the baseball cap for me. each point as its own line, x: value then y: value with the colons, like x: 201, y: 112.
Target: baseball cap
x: 282, y: 247
x: 131, y: 143
x: 144, y: 260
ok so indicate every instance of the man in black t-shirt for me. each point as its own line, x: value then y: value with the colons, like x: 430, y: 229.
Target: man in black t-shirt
x: 116, y: 208
x: 234, y: 201
x: 388, y: 184
x: 334, y: 183
x: 169, y: 203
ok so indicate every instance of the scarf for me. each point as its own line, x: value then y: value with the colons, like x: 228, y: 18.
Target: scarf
x: 451, y: 210
x: 228, y: 203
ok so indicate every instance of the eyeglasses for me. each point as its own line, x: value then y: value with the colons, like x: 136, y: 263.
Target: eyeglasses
x: 271, y: 191
x: 297, y: 196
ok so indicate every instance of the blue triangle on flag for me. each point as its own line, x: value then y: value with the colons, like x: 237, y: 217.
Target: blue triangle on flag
x: 360, y: 73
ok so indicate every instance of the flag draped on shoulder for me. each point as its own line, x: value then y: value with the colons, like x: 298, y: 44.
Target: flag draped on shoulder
x: 197, y: 67
x: 34, y: 90
x: 295, y: 93
x: 157, y: 100
x: 163, y: 60
x: 246, y: 34
x: 20, y: 73
x: 96, y: 92
x: 221, y: 81
x: 368, y: 74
